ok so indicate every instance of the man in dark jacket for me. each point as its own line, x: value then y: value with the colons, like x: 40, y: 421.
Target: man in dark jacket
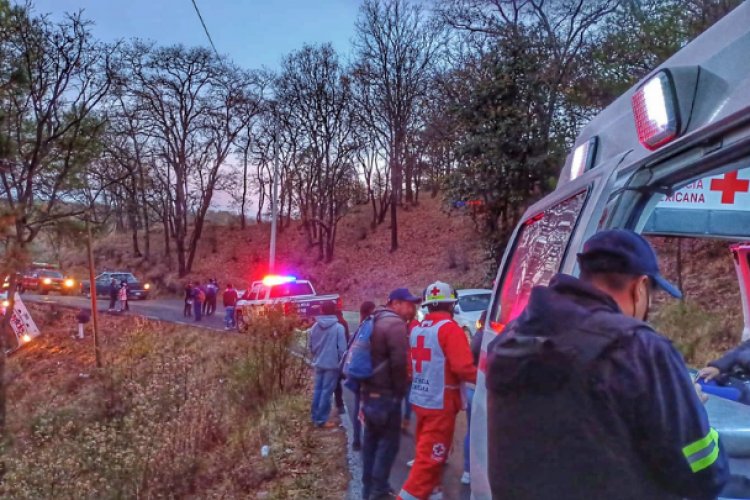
x: 383, y: 392
x: 586, y: 400
x: 738, y: 359
x: 114, y: 291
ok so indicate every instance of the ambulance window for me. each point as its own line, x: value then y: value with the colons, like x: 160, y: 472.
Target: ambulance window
x: 538, y: 254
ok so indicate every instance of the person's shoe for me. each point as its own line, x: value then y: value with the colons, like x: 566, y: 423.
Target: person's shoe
x: 356, y: 446
x: 466, y: 478
x: 410, y: 463
x: 329, y: 425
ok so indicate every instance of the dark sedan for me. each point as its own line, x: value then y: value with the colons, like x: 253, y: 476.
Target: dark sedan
x: 136, y: 289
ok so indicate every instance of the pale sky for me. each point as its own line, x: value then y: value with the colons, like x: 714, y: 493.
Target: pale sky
x: 253, y: 33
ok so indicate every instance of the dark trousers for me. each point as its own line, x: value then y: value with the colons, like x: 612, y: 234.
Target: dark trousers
x: 197, y: 309
x: 209, y: 306
x: 381, y: 442
x: 339, y: 396
x: 356, y: 423
x: 188, y: 311
x: 112, y: 301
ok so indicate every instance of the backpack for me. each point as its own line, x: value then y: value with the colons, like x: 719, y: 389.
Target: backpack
x: 356, y: 365
x: 201, y: 296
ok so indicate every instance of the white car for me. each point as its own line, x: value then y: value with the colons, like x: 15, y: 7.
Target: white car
x: 471, y: 303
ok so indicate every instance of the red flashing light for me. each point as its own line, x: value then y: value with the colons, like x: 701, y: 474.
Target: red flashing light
x: 273, y: 280
x: 655, y: 111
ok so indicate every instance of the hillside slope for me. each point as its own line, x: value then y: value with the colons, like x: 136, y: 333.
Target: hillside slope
x: 434, y: 244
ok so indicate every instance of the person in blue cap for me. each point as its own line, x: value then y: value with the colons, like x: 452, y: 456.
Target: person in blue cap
x: 586, y: 400
x: 382, y: 393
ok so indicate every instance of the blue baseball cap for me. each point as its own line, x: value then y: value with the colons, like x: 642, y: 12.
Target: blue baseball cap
x: 630, y: 253
x: 403, y: 294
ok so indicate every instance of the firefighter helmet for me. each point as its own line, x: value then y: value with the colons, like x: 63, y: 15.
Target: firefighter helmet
x: 439, y: 293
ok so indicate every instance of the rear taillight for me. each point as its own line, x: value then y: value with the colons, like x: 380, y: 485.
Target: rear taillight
x: 655, y: 111
x: 340, y: 304
x: 288, y: 308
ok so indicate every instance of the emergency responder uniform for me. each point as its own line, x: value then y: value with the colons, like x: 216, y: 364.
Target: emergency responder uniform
x: 587, y: 402
x: 440, y: 361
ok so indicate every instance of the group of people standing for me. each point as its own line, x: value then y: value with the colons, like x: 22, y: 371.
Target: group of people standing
x: 118, y: 296
x: 200, y: 301
x: 427, y: 366
x: 584, y: 398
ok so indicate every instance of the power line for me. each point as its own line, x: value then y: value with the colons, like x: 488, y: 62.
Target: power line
x: 205, y: 28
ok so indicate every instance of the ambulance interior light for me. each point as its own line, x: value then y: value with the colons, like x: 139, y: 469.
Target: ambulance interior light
x: 655, y: 111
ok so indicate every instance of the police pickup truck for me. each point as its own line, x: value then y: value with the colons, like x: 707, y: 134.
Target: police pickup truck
x: 637, y: 165
x: 286, y: 293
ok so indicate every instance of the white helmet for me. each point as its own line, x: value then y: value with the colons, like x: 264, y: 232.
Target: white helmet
x: 439, y: 293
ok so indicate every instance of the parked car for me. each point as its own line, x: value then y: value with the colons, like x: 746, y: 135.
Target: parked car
x: 136, y: 289
x: 293, y: 296
x: 45, y: 278
x: 472, y: 302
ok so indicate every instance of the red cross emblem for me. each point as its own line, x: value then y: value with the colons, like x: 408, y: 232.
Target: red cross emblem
x: 420, y: 354
x: 729, y: 186
x: 435, y: 291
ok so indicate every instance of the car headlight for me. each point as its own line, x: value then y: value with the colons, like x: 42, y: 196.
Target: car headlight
x: 6, y: 303
x: 47, y: 281
x: 147, y: 287
x: 69, y: 283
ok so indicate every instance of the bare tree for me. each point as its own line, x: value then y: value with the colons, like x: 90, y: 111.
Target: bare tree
x: 198, y: 105
x: 314, y: 112
x: 397, y: 49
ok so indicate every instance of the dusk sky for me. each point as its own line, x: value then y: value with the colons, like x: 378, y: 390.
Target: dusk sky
x: 253, y: 33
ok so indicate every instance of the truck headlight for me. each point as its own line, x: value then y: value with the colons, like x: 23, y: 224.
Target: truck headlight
x: 147, y: 287
x: 47, y: 281
x: 6, y: 303
x: 69, y: 283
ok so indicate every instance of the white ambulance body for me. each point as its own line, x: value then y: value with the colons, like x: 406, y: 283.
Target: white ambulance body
x: 670, y: 157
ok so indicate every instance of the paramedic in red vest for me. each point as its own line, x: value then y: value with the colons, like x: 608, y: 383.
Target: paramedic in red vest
x: 440, y: 362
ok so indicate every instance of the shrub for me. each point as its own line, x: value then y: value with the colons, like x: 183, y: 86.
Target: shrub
x: 170, y: 411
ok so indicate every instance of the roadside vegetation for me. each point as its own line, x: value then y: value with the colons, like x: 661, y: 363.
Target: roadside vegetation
x: 175, y: 412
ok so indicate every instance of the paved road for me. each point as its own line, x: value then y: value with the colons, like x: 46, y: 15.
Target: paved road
x: 161, y: 309
x: 452, y: 487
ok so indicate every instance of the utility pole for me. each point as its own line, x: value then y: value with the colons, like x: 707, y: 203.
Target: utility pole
x: 92, y: 290
x: 274, y: 208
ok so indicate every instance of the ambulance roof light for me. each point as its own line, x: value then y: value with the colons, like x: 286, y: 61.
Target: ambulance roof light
x: 273, y: 280
x: 583, y: 158
x: 655, y: 111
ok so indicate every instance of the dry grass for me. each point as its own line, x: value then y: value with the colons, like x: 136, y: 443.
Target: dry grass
x: 709, y: 321
x: 175, y: 413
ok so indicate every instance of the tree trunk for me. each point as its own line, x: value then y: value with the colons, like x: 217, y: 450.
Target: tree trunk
x: 395, y: 189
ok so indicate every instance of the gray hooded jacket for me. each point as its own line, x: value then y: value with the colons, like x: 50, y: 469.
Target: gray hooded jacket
x: 327, y: 342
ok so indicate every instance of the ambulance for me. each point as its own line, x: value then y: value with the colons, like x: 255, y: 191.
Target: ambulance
x: 669, y: 157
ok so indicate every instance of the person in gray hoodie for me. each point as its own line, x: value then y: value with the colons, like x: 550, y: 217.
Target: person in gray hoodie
x: 327, y: 346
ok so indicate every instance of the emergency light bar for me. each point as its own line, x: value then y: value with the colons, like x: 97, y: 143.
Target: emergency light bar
x: 655, y: 111
x: 272, y: 280
x: 583, y: 158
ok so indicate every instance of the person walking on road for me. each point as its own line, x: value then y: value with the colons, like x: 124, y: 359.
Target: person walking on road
x: 114, y: 293
x: 327, y: 346
x: 229, y: 300
x: 382, y: 393
x: 188, y: 309
x: 441, y: 362
x: 586, y: 400
x: 365, y: 310
x: 199, y: 297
